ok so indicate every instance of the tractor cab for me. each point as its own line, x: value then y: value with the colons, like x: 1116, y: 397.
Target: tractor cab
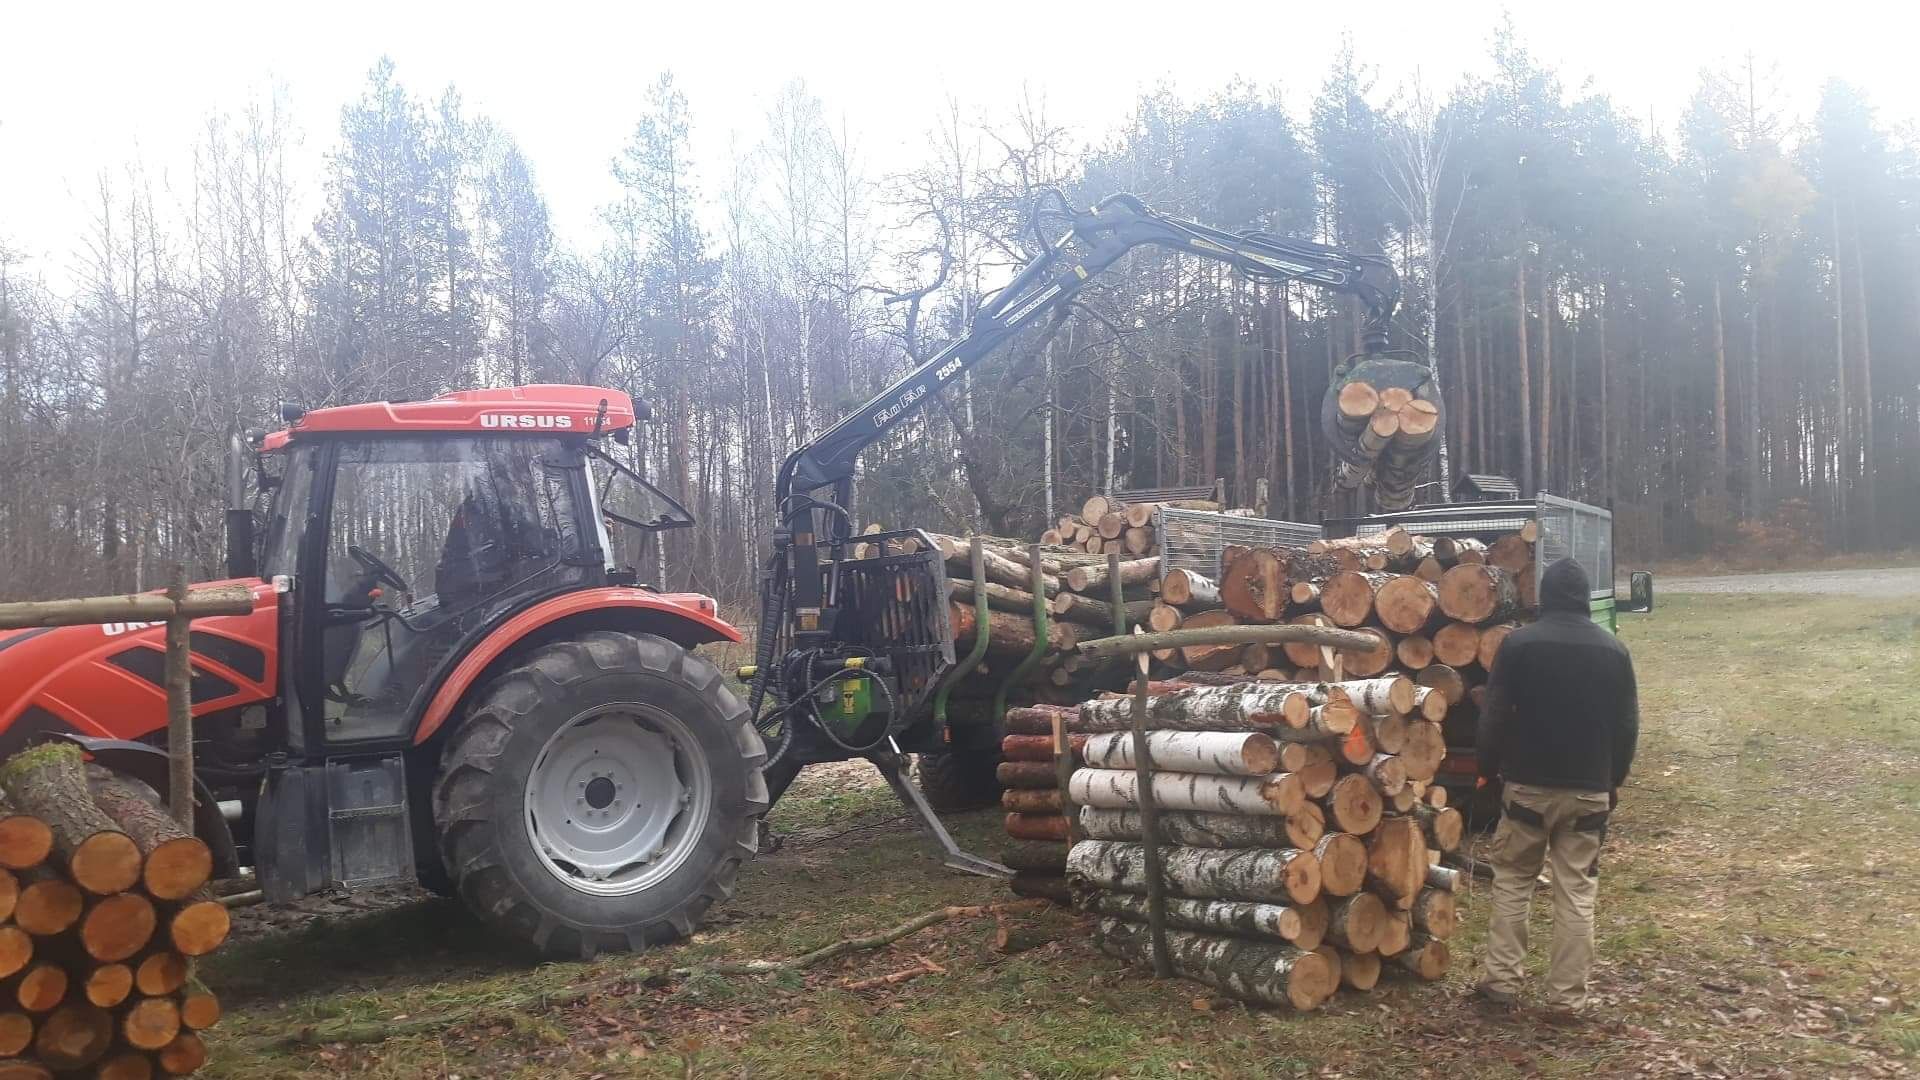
x: 415, y: 553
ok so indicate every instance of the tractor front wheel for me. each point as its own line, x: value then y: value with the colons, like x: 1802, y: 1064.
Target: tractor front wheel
x: 601, y: 795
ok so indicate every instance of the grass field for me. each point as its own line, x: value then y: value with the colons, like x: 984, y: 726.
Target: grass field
x: 1759, y: 916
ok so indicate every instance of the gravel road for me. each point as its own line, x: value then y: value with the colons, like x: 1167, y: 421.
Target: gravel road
x: 1884, y: 582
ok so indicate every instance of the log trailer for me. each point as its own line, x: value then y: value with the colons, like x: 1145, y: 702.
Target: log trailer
x: 447, y: 674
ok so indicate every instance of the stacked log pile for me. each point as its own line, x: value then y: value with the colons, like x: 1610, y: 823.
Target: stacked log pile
x: 103, y: 907
x: 1079, y: 599
x: 1298, y: 833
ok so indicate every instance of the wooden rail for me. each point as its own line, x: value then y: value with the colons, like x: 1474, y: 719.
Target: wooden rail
x: 177, y: 608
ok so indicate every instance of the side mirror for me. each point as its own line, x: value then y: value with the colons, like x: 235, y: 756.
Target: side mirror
x: 1639, y: 591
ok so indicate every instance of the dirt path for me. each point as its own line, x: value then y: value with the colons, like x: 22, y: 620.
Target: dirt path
x: 1885, y: 582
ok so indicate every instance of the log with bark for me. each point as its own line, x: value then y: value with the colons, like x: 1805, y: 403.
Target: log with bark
x: 1425, y: 956
x: 1261, y: 972
x: 1343, y: 863
x: 1221, y: 753
x: 1356, y: 923
x: 1255, y: 586
x: 50, y: 783
x: 1188, y: 590
x: 1188, y: 828
x: 1435, y: 913
x: 1301, y: 925
x: 1272, y: 795
x: 1477, y: 594
x: 1397, y: 859
x: 1284, y: 876
x: 1360, y: 970
x: 1093, y: 576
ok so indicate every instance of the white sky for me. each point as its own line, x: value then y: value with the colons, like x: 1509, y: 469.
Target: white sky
x: 88, y: 86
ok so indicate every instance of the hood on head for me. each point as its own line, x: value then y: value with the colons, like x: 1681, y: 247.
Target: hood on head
x: 1564, y: 587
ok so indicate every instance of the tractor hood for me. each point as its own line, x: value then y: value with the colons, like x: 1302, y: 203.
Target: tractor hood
x: 106, y: 680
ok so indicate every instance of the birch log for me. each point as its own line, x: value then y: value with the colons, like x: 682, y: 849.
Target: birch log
x: 1284, y: 876
x: 1356, y: 922
x: 1343, y: 863
x: 1274, y: 708
x: 1256, y: 971
x: 1353, y: 806
x: 1434, y: 911
x: 1425, y: 956
x: 1360, y: 970
x: 1190, y: 828
x: 1218, y: 753
x: 1273, y: 795
x: 1301, y: 925
x: 1393, y: 694
x: 1186, y: 589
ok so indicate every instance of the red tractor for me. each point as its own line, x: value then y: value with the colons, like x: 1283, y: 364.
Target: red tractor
x: 445, y: 676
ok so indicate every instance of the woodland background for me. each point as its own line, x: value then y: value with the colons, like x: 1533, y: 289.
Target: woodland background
x: 1715, y: 332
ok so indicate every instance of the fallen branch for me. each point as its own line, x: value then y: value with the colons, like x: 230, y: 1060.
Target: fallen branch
x: 244, y: 899
x: 924, y: 967
x: 860, y: 944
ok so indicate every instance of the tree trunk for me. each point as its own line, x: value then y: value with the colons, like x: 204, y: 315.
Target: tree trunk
x: 117, y: 927
x: 1189, y: 829
x: 1353, y: 806
x: 177, y: 862
x: 1434, y: 912
x: 1444, y: 827
x: 1357, y: 922
x: 1254, y: 586
x: 199, y: 928
x: 1094, y: 575
x: 1427, y: 957
x: 1446, y: 679
x: 1006, y: 632
x: 1456, y: 644
x: 1091, y: 612
x: 50, y: 782
x: 1254, y: 971
x: 1273, y: 795
x: 1397, y: 859
x: 1348, y: 598
x: 1526, y: 388
x: 1031, y: 800
x: 74, y: 1037
x: 1283, y: 710
x: 1283, y: 876
x: 1189, y: 590
x: 1476, y: 594
x: 1301, y: 925
x: 1343, y: 863
x: 1218, y: 753
x: 1036, y: 827
x: 1360, y: 970
x: 1491, y: 638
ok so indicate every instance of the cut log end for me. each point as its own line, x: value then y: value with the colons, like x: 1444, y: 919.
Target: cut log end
x: 41, y: 988
x: 106, y: 863
x: 16, y: 950
x: 25, y: 841
x: 109, y: 985
x: 128, y: 1065
x: 16, y: 1033
x: 160, y: 974
x: 1360, y: 970
x: 199, y: 928
x: 151, y: 1023
x: 199, y: 1010
x: 118, y: 927
x: 177, y: 868
x: 186, y: 1053
x: 74, y: 1037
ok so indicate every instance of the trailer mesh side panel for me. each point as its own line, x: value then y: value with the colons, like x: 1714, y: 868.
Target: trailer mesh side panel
x: 1578, y: 531
x: 1193, y: 539
x: 896, y: 605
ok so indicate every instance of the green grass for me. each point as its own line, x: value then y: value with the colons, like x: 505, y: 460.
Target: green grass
x: 1759, y: 915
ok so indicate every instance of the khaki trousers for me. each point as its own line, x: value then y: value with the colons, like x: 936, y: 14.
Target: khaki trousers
x: 1563, y: 828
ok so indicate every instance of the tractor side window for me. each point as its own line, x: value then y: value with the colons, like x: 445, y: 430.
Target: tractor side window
x: 287, y: 525
x: 632, y: 511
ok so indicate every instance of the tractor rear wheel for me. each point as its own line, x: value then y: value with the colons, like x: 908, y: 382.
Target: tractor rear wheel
x: 961, y: 779
x: 601, y: 795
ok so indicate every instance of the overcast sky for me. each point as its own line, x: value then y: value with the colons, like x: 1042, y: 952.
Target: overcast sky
x: 86, y: 86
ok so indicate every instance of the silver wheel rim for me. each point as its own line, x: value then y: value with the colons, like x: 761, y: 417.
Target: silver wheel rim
x: 617, y: 799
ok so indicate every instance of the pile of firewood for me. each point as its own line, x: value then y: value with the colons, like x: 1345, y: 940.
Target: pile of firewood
x: 1439, y: 609
x: 1298, y: 828
x: 1079, y: 601
x: 1107, y: 526
x: 103, y: 906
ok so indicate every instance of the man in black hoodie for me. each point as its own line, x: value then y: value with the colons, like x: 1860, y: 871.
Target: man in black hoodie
x: 1559, y: 726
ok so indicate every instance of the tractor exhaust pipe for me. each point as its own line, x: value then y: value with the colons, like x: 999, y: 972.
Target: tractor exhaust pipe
x: 240, y: 562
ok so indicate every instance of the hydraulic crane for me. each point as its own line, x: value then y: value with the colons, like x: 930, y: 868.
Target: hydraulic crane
x: 850, y: 651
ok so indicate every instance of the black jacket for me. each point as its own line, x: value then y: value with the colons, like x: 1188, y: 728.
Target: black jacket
x: 1561, y: 708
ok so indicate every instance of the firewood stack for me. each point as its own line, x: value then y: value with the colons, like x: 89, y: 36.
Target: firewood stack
x: 1107, y: 526
x: 103, y: 906
x: 1299, y: 831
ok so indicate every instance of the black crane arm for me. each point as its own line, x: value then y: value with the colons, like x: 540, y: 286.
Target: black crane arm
x: 1096, y: 240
